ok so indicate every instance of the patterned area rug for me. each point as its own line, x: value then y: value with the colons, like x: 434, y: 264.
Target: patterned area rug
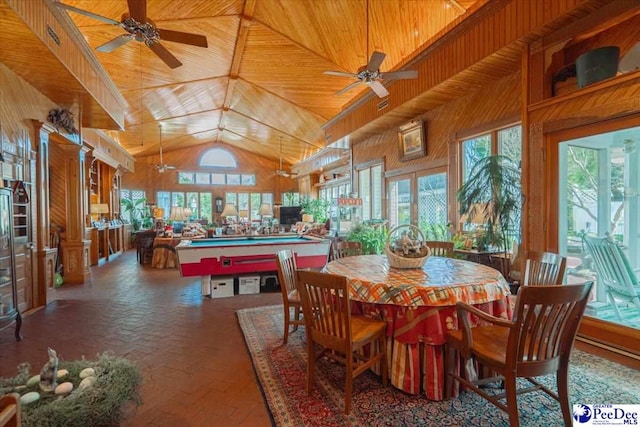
x: 281, y: 371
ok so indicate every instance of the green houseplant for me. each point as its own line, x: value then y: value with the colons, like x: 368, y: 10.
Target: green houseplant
x: 319, y: 208
x: 372, y: 236
x: 493, y: 192
x: 138, y: 211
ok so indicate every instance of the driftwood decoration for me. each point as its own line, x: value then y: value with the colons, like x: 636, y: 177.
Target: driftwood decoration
x: 62, y: 118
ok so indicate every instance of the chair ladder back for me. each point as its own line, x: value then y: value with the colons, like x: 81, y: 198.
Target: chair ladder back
x: 439, y: 248
x: 544, y: 268
x: 547, y: 323
x: 345, y: 248
x: 326, y: 296
x: 286, y: 264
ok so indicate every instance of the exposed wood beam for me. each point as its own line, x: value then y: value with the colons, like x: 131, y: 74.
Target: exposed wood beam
x: 278, y: 130
x: 607, y: 16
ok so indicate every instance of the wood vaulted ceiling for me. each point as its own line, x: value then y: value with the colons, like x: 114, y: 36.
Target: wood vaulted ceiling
x: 260, y: 81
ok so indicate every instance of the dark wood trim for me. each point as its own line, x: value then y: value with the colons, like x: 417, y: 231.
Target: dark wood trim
x: 431, y: 164
x: 366, y: 165
x: 489, y: 127
x: 614, y: 81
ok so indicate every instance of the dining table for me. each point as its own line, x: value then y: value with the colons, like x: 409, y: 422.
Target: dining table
x: 418, y: 306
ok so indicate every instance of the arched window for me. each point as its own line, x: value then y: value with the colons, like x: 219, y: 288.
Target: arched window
x: 219, y: 158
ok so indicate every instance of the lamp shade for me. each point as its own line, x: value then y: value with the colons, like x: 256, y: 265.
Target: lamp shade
x: 265, y: 210
x: 229, y: 210
x: 99, y: 208
x: 307, y: 218
x: 177, y: 213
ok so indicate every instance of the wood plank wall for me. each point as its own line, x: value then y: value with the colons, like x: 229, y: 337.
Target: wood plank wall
x: 602, y: 103
x: 497, y: 25
x: 147, y: 178
x: 477, y: 112
x: 74, y: 56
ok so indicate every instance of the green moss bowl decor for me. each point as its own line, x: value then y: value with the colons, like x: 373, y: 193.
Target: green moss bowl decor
x: 105, y: 403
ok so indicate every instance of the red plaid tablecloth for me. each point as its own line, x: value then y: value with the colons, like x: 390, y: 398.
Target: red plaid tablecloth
x: 419, y: 308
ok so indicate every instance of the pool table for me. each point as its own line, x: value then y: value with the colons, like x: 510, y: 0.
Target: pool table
x: 247, y: 254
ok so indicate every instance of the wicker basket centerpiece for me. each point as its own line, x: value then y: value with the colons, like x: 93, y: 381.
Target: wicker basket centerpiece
x: 406, y: 247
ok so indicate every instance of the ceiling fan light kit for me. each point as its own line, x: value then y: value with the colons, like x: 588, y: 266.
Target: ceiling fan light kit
x: 371, y: 76
x: 162, y: 167
x: 143, y: 30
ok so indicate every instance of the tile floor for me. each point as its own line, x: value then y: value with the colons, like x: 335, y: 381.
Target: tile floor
x: 195, y: 365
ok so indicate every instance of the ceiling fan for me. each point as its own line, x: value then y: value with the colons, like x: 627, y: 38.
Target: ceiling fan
x: 280, y: 171
x: 372, y: 77
x: 162, y: 167
x: 142, y: 29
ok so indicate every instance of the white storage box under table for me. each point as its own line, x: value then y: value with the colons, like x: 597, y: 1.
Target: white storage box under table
x: 217, y: 286
x: 248, y: 285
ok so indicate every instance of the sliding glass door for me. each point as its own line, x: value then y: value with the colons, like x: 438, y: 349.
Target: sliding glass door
x: 599, y: 177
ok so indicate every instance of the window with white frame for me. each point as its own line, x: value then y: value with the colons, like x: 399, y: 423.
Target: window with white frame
x: 370, y: 183
x: 248, y: 204
x: 134, y: 196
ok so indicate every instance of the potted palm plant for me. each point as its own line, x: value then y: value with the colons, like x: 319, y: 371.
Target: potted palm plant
x: 493, y: 191
x: 138, y: 212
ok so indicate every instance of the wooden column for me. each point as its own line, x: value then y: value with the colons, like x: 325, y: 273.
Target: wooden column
x: 75, y: 248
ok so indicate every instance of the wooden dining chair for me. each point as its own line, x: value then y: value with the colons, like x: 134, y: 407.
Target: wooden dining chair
x: 10, y: 411
x: 345, y: 248
x: 342, y: 336
x: 439, y: 248
x: 538, y: 341
x: 286, y: 263
x: 544, y: 268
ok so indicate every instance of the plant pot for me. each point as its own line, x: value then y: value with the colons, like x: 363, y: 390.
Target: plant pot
x: 596, y: 65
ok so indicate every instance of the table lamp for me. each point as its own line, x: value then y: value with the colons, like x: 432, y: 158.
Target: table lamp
x: 229, y: 210
x: 265, y: 210
x: 307, y: 218
x: 99, y: 208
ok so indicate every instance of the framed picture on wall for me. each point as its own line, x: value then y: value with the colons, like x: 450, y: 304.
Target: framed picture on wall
x: 411, y: 141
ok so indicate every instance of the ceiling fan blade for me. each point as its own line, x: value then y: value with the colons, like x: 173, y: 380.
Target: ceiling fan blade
x: 87, y: 13
x: 378, y: 88
x: 398, y: 75
x: 169, y: 167
x: 165, y: 55
x: 186, y: 38
x: 375, y: 61
x: 340, y: 74
x: 138, y: 10
x: 348, y: 88
x: 115, y: 43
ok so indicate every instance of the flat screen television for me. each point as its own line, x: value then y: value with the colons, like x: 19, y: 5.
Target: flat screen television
x: 289, y: 215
